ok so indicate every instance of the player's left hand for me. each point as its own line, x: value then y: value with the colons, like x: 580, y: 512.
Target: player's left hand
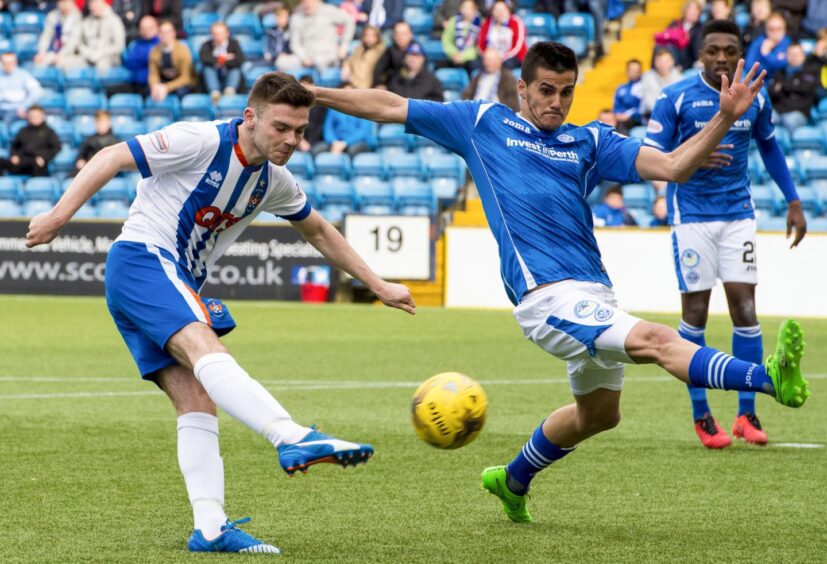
x: 736, y: 98
x: 796, y: 219
x: 43, y: 228
x: 718, y: 159
x: 396, y: 295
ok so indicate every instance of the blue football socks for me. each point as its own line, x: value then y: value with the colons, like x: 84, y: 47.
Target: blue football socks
x: 747, y: 345
x: 710, y: 368
x: 538, y: 453
x: 700, y: 407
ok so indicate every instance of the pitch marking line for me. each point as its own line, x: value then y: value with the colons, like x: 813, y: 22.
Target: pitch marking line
x: 797, y: 445
x: 292, y: 385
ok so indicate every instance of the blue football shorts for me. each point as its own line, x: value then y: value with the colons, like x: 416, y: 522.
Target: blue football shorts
x: 151, y: 298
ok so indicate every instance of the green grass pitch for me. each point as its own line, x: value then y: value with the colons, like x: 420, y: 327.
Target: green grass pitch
x: 89, y: 471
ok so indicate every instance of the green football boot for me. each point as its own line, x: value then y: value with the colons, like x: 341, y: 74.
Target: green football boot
x: 784, y: 367
x: 494, y: 480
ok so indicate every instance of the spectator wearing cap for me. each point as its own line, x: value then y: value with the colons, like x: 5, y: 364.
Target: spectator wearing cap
x: 344, y: 133
x: 393, y: 59
x: 628, y: 98
x: 793, y: 90
x: 414, y: 80
x: 770, y: 48
x: 358, y: 68
x: 34, y: 146
x: 493, y: 83
x: 103, y: 137
x: 315, y: 39
x: 18, y: 89
x: 597, y: 8
x: 460, y: 37
x: 137, y: 56
x: 60, y: 25
x: 221, y: 58
x: 170, y: 65
x: 101, y: 40
x: 506, y: 33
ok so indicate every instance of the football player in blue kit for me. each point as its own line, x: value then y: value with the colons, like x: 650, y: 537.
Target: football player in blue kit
x: 534, y: 173
x: 713, y: 218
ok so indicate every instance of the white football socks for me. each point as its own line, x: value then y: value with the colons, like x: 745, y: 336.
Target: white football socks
x: 232, y: 389
x: 203, y: 470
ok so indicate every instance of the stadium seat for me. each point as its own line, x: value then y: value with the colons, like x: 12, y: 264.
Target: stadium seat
x: 301, y: 165
x: 253, y: 50
x: 126, y: 105
x: 452, y: 78
x: 638, y: 132
x: 25, y: 45
x: 86, y: 211
x: 405, y: 164
x: 414, y: 197
x: 783, y: 137
x: 154, y: 123
x: 433, y: 51
x: 577, y: 44
x: 370, y: 165
x: 808, y: 137
x: 763, y: 198
x: 770, y: 223
x: 64, y: 161
x: 84, y: 77
x: 32, y: 208
x: 543, y: 25
x: 421, y: 22
x: 375, y: 196
x: 336, y: 198
x: 116, y: 189
x: 113, y: 209
x: 306, y: 71
x: 333, y: 164
x: 40, y: 188
x: 446, y: 189
x: 330, y: 77
x: 114, y: 76
x: 53, y: 103
x: 426, y: 148
x: 6, y: 45
x: 48, y: 77
x: 84, y: 101
x: 742, y: 20
x: 244, y: 24
x: 814, y: 168
x: 445, y: 165
x: 28, y: 22
x: 393, y: 136
x: 638, y: 196
x: 10, y: 208
x: 252, y: 74
x: 16, y: 126
x: 168, y: 107
x: 195, y: 42
x: 64, y: 129
x: 10, y: 188
x: 810, y: 201
x: 230, y: 106
x: 309, y: 189
x: 200, y: 22
x: 196, y: 105
x: 126, y: 127
x: 6, y: 24
x: 84, y: 126
x: 4, y: 134
x: 268, y: 21
x: 576, y: 25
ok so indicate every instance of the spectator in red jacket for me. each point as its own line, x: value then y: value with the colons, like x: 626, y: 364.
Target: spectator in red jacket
x: 505, y: 33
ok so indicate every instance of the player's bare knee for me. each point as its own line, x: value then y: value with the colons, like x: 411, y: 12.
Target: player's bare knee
x: 649, y: 342
x: 598, y: 421
x: 192, y: 342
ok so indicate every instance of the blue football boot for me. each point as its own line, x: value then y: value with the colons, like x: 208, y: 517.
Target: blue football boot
x: 231, y: 539
x: 316, y: 448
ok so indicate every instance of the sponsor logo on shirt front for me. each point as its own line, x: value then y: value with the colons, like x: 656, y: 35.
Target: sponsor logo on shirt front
x: 215, y: 179
x: 703, y: 104
x: 540, y: 149
x: 516, y: 125
x: 740, y: 125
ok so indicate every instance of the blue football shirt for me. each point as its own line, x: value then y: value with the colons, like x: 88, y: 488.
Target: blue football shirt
x: 533, y: 185
x: 681, y: 111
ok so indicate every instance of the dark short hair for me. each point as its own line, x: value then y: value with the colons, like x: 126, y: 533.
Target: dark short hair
x: 36, y: 108
x: 549, y: 55
x: 279, y: 88
x: 660, y: 50
x: 721, y: 26
x: 633, y: 61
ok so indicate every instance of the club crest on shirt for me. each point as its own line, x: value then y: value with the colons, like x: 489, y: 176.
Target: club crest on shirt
x: 159, y: 141
x: 255, y: 199
x: 215, y: 307
x: 565, y: 138
x: 690, y: 258
x: 584, y: 308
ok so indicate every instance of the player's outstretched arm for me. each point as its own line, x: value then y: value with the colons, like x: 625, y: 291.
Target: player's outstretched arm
x: 681, y: 164
x: 98, y: 171
x: 332, y: 245
x: 372, y: 104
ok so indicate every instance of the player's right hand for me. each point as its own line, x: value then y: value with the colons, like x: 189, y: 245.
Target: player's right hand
x: 396, y: 295
x: 42, y: 229
x: 797, y: 220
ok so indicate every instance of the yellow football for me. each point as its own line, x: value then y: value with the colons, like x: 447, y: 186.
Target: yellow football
x: 448, y: 410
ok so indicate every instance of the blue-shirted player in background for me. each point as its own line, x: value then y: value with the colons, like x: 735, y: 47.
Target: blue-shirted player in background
x: 533, y: 173
x: 713, y: 219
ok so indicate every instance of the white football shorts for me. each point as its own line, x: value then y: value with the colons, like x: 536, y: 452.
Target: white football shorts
x: 579, y: 322
x: 709, y: 250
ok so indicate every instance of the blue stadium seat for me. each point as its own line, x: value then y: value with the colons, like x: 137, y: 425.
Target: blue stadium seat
x: 53, y: 103
x: 405, y: 164
x: 392, y: 135
x: 638, y: 132
x: 433, y: 50
x: 114, y: 76
x: 245, y: 23
x: 64, y: 129
x: 333, y: 164
x: 817, y: 225
x: 306, y: 71
x: 6, y: 45
x: 28, y: 22
x: 64, y: 161
x: 48, y: 77
x: 117, y: 189
x: 230, y: 106
x: 421, y: 22
x: 445, y: 165
x: 452, y: 78
x: 84, y: 127
x: 252, y: 74
x: 763, y: 198
x: 6, y: 24
x: 414, y: 197
x: 309, y: 189
x: 25, y: 45
x: 814, y: 168
x: 820, y: 187
x: 126, y: 127
x: 638, y: 196
x: 126, y: 105
x: 195, y: 42
x: 742, y: 20
x: 770, y: 223
x: 369, y: 164
x: 196, y: 105
x: 375, y: 196
x: 86, y: 211
x: 576, y: 25
x: 337, y: 198
x: 10, y: 208
x: 113, y: 209
x: 84, y: 101
x: 85, y: 77
x: 577, y: 44
x: 4, y: 134
x: 426, y: 148
x: 541, y: 24
x: 10, y: 188
x: 200, y: 23
x: 168, y: 107
x: 154, y: 123
x: 301, y: 165
x: 783, y: 137
x: 330, y: 77
x: 810, y: 201
x: 268, y: 21
x: 446, y: 189
x: 808, y: 137
x: 40, y: 188
x: 253, y: 49
x: 16, y: 126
